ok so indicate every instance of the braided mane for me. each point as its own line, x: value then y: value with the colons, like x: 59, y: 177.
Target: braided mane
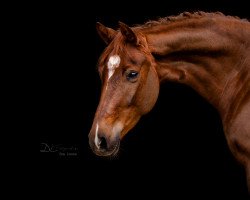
x: 184, y: 16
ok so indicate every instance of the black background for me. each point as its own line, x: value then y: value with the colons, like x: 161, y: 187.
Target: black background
x: 179, y: 147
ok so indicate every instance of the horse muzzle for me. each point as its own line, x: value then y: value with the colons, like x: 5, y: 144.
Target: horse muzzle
x: 103, y: 145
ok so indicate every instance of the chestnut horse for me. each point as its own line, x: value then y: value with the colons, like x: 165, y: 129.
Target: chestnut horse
x: 208, y: 51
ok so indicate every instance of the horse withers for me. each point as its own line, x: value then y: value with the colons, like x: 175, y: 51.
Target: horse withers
x: 208, y: 51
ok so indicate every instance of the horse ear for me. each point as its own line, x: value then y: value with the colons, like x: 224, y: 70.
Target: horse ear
x: 128, y: 33
x: 107, y: 34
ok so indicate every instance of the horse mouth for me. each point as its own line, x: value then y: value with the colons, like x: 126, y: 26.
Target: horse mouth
x: 109, y: 153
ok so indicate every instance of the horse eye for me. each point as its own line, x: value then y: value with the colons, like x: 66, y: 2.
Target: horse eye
x: 132, y: 76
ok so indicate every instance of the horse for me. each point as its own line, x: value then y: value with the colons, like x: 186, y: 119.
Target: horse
x: 210, y: 52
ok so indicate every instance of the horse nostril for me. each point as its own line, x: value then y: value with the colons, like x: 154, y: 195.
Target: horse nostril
x: 103, y: 143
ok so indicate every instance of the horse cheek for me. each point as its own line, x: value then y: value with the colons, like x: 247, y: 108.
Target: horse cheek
x: 150, y: 91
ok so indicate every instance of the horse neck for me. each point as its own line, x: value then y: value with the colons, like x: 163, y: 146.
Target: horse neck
x: 210, y: 55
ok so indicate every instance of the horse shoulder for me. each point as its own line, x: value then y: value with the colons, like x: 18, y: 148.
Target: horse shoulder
x: 238, y: 133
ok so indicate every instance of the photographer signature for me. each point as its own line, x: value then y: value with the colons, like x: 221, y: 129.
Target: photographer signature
x: 44, y: 147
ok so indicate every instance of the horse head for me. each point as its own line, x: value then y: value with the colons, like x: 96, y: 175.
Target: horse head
x: 130, y: 87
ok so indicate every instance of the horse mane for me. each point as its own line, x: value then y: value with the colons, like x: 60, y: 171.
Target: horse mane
x: 183, y: 16
x: 170, y: 19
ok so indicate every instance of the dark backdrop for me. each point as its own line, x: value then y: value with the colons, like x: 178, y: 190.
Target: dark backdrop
x: 179, y: 147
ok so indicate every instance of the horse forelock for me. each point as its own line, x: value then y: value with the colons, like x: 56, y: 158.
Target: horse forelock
x: 118, y: 47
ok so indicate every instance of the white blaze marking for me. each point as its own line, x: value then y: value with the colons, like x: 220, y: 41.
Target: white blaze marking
x: 113, y: 63
x: 97, y: 142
